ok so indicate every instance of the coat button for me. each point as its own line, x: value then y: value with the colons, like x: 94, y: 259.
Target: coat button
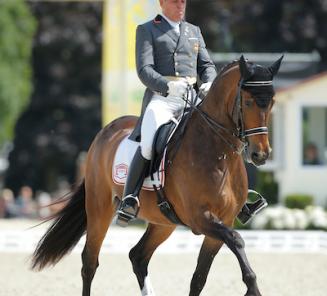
x: 176, y: 63
x: 177, y: 73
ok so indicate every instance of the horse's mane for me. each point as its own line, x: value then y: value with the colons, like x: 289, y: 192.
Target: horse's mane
x: 227, y: 67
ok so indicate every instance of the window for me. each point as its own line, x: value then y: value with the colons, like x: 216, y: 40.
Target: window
x: 314, y: 135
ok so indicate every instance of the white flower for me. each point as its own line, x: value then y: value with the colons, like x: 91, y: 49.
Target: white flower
x: 301, y: 219
x: 275, y: 213
x: 279, y: 217
x: 288, y: 219
x: 277, y: 224
x: 260, y: 221
x: 317, y: 217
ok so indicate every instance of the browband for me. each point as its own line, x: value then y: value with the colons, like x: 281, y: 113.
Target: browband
x: 257, y: 83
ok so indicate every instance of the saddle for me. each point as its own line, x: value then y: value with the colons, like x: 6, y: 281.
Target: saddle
x: 168, y: 136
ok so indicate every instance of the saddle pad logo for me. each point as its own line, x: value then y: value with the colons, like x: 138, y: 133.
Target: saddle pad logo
x: 123, y: 158
x: 121, y: 171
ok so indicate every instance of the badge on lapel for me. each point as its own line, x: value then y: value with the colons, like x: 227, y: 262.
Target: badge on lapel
x: 195, y: 43
x: 196, y: 47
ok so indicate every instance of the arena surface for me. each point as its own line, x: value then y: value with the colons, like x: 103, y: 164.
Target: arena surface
x: 279, y: 274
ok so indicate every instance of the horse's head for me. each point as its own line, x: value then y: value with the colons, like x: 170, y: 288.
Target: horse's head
x: 252, y: 108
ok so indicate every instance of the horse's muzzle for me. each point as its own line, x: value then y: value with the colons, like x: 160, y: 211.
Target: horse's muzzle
x: 259, y: 157
x: 256, y: 155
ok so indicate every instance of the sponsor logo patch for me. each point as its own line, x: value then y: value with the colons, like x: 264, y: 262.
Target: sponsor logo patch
x: 121, y: 171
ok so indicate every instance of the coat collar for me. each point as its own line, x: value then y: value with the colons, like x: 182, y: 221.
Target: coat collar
x: 166, y: 28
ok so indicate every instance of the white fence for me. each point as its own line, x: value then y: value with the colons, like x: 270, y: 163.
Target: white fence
x: 119, y: 240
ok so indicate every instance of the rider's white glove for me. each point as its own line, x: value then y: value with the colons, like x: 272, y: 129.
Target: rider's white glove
x: 177, y: 88
x: 204, y: 88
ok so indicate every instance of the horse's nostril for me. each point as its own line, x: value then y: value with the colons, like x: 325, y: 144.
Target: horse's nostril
x: 259, y: 155
x: 255, y: 155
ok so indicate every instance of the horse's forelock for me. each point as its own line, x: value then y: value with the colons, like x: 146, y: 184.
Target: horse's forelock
x: 262, y: 94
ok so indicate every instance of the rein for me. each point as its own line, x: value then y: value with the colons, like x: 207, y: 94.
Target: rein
x: 240, y: 136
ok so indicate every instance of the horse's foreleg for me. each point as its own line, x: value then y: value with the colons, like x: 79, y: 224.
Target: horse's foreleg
x: 215, y: 228
x: 99, y: 216
x: 140, y: 255
x: 209, y: 250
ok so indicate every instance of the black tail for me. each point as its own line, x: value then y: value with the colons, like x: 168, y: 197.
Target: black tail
x: 64, y: 233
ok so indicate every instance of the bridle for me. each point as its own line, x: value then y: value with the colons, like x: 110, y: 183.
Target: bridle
x: 237, y: 139
x: 238, y: 113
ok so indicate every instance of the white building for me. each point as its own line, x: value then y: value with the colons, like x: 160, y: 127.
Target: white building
x: 300, y: 120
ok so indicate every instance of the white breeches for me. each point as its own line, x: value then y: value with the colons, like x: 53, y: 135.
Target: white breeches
x: 159, y: 111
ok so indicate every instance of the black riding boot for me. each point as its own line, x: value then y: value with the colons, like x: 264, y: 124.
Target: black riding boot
x: 130, y: 203
x: 252, y: 208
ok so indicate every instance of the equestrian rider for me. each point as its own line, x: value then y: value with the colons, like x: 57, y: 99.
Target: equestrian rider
x: 170, y: 54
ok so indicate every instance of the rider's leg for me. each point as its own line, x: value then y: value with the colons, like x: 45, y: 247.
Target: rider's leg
x: 136, y: 174
x: 157, y: 113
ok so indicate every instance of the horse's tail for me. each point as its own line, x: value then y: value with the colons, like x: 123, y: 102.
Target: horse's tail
x: 64, y: 233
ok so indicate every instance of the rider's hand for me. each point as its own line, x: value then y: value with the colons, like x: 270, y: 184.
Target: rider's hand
x: 177, y: 88
x: 204, y: 88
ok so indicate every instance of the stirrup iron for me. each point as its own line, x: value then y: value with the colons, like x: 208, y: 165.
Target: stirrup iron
x: 127, y: 212
x: 250, y: 209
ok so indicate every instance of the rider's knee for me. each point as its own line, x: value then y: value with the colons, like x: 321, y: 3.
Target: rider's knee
x: 146, y: 152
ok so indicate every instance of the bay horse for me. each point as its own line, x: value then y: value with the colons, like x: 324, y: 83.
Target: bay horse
x: 206, y: 182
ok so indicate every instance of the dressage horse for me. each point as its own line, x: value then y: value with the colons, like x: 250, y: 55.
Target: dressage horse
x: 206, y: 182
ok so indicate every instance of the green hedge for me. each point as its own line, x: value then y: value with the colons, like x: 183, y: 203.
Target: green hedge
x: 298, y: 201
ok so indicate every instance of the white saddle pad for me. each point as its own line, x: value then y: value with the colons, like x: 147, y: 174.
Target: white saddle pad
x: 122, y: 160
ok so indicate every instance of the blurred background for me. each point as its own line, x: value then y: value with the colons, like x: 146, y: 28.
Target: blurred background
x: 67, y: 68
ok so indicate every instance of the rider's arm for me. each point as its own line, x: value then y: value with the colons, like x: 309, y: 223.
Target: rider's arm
x: 145, y: 62
x: 206, y: 69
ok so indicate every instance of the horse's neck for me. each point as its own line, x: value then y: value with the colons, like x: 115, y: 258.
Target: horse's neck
x: 219, y: 102
x: 218, y: 105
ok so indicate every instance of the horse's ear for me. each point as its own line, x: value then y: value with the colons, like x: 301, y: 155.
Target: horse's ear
x: 275, y: 66
x: 246, y: 73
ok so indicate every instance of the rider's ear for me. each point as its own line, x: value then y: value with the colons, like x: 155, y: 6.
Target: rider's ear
x: 245, y: 70
x: 275, y: 66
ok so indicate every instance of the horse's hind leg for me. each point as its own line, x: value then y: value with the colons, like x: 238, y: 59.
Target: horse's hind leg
x: 210, y: 248
x: 99, y: 215
x: 215, y: 228
x: 140, y: 255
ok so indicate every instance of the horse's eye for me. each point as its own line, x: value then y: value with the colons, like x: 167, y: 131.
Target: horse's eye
x: 248, y: 103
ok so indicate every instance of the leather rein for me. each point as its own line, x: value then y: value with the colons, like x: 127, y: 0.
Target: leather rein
x: 236, y: 140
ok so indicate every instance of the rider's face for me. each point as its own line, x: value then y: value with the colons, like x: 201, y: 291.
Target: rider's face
x: 173, y: 9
